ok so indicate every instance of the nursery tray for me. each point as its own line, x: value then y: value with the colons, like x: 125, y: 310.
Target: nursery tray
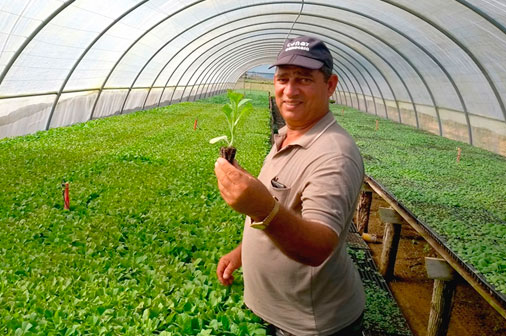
x: 467, y: 271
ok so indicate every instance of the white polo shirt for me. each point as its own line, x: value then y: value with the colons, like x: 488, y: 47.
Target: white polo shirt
x: 322, y: 172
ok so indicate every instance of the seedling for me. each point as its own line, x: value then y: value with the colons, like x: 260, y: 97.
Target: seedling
x: 234, y: 111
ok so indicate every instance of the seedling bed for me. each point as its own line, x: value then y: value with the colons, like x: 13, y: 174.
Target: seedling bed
x: 382, y: 315
x: 454, y: 189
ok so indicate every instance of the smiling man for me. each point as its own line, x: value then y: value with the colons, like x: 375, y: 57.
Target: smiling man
x: 297, y: 274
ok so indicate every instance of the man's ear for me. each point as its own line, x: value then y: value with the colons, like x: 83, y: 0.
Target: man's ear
x: 332, y: 84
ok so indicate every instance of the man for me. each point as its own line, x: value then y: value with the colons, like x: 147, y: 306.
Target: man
x: 297, y: 274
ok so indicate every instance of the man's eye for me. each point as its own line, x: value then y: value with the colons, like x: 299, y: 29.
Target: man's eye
x: 305, y: 80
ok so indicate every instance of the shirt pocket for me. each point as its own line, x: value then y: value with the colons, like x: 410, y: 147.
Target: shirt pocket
x: 282, y: 194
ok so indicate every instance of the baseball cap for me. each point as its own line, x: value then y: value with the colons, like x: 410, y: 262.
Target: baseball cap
x: 304, y: 51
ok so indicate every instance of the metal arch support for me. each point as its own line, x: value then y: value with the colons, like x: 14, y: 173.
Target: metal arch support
x: 284, y: 2
x: 217, y: 62
x: 358, y: 53
x: 219, y: 59
x: 362, y: 15
x: 245, y: 59
x: 130, y: 47
x: 31, y: 37
x: 77, y: 62
x: 365, y: 81
x: 370, y: 62
x: 177, y: 67
x: 406, y: 59
x: 215, y: 59
x: 344, y: 82
x: 466, y: 50
x: 207, y: 70
x: 414, y: 107
x: 226, y: 73
x: 227, y: 46
x: 464, y: 107
x: 169, y: 42
x: 308, y: 3
x: 249, y: 63
x: 459, y: 95
x: 352, y: 85
x: 184, y: 90
x: 174, y: 37
x: 357, y: 81
x: 484, y: 15
x: 206, y: 42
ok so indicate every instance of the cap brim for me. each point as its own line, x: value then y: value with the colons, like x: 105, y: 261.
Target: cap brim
x: 299, y: 60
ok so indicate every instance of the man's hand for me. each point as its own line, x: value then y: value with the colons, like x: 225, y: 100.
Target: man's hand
x: 227, y: 265
x: 243, y: 192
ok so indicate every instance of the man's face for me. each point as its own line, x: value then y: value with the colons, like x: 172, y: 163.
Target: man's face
x: 302, y: 94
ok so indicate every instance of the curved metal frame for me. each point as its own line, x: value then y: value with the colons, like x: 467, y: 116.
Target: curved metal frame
x: 184, y: 90
x: 224, y: 73
x: 31, y: 37
x: 230, y: 62
x: 446, y: 33
x: 393, y: 68
x: 404, y: 84
x: 83, y: 54
x: 372, y: 63
x: 130, y: 47
x: 461, y: 46
x: 343, y: 51
x: 430, y: 55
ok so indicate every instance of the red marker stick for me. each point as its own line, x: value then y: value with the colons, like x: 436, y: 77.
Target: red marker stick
x: 66, y: 198
x: 195, y: 125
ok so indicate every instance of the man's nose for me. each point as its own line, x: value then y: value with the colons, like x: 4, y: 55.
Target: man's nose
x: 291, y: 88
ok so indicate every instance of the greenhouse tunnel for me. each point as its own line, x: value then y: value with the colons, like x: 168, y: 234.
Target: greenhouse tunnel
x: 435, y: 65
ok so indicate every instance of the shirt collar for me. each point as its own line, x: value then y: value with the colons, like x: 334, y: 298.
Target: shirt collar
x: 307, y: 139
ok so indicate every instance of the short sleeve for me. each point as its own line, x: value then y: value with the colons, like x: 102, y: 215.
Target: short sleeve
x: 330, y: 192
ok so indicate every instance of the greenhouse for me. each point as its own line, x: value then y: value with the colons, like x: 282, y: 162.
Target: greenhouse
x: 112, y: 221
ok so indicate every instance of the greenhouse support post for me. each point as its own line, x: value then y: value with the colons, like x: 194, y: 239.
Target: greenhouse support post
x: 442, y: 295
x: 364, y: 209
x: 391, y: 239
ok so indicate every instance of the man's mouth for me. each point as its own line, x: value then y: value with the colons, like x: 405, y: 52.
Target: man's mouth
x: 290, y: 103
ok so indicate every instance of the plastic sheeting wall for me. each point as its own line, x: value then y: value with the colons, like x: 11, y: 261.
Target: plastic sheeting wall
x: 435, y: 64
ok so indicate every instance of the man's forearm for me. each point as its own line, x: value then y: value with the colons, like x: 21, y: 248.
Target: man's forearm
x: 305, y: 241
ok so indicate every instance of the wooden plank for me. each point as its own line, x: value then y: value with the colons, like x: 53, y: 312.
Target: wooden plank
x: 496, y: 304
x: 389, y: 215
x: 438, y: 268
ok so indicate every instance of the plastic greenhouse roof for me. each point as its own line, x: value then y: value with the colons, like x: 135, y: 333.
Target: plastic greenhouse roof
x: 63, y: 62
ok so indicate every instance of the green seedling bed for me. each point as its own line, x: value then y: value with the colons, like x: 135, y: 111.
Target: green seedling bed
x: 462, y: 203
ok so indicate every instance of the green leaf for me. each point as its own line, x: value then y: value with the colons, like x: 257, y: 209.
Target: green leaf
x: 220, y: 138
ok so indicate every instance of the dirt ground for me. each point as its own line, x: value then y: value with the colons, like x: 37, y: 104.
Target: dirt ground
x: 471, y: 315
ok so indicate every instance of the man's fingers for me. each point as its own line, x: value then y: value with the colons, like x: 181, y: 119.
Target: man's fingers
x: 224, y: 271
x: 228, y: 271
x: 222, y: 264
x: 224, y: 167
